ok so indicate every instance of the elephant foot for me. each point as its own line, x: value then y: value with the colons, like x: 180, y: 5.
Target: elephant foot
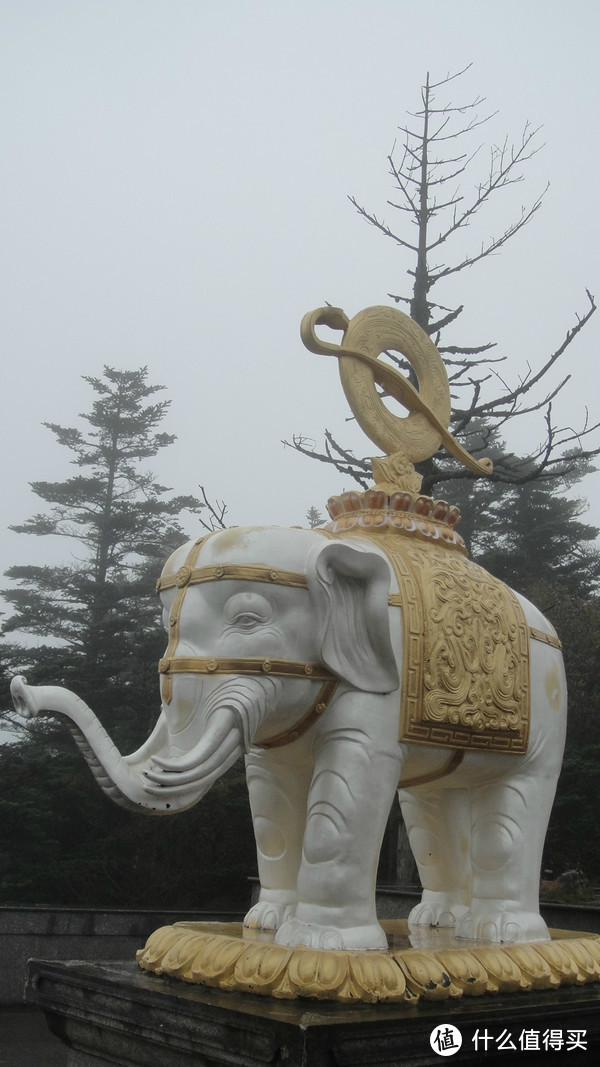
x: 269, y: 914
x: 437, y: 909
x: 497, y: 921
x: 313, y: 935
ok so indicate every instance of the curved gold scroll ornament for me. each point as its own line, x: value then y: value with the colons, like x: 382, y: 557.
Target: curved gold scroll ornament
x: 370, y: 333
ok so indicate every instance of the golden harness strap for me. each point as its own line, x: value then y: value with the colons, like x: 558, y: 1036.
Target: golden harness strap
x: 171, y: 664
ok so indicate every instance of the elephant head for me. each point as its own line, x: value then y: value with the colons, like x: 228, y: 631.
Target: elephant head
x: 264, y: 624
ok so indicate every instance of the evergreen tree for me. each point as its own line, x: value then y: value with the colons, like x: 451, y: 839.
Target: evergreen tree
x: 537, y: 544
x: 102, y: 610
x: 314, y: 517
x: 531, y: 536
x: 97, y: 630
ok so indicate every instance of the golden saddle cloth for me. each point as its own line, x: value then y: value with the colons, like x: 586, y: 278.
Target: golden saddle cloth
x: 465, y: 677
x: 466, y: 651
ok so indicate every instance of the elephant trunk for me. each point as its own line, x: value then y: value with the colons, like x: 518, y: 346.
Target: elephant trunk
x: 119, y: 777
x: 173, y: 769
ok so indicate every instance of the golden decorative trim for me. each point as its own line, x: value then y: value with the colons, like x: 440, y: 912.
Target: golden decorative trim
x: 465, y: 677
x: 216, y: 955
x: 394, y: 472
x: 318, y: 706
x: 466, y: 652
x: 166, y: 682
x: 209, y: 665
x: 455, y: 759
x: 415, y: 516
x: 546, y: 638
x: 256, y: 572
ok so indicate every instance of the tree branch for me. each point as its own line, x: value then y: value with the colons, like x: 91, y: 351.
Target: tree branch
x: 217, y: 512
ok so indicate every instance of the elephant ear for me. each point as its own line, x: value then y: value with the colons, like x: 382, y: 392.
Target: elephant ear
x: 349, y: 590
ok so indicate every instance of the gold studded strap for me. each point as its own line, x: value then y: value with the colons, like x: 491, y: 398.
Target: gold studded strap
x: 545, y: 637
x: 209, y: 665
x: 174, y: 615
x: 255, y: 572
x: 281, y: 668
x: 454, y: 760
x: 299, y: 728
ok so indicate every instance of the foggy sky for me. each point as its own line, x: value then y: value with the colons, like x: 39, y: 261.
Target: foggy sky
x: 174, y: 195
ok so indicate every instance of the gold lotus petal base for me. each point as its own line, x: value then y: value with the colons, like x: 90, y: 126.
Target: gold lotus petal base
x: 216, y: 954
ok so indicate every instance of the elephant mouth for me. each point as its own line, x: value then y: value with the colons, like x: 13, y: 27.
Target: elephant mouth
x: 251, y: 700
x: 256, y: 669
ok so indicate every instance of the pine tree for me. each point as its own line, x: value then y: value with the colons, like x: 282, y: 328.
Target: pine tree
x: 537, y: 542
x: 314, y: 517
x: 531, y: 536
x: 101, y: 610
x: 98, y: 625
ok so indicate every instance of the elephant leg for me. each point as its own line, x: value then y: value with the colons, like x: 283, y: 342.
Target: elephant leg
x: 277, y: 791
x: 438, y: 827
x: 509, y: 820
x: 347, y: 809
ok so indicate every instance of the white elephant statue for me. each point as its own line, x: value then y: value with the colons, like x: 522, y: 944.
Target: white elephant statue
x: 299, y: 649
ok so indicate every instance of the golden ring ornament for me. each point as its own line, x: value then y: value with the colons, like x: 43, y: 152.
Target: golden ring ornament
x: 367, y: 336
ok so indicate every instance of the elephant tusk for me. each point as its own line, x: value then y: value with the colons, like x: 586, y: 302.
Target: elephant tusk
x: 198, y: 785
x: 214, y: 762
x: 213, y: 738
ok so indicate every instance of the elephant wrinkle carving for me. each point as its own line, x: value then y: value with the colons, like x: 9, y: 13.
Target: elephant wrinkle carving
x: 339, y: 663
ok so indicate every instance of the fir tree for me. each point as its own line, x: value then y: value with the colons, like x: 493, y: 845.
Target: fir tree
x: 102, y: 609
x: 314, y: 517
x: 98, y: 625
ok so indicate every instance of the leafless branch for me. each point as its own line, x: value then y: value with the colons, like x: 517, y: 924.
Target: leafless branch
x: 381, y: 226
x: 344, y: 461
x: 532, y: 379
x: 453, y: 350
x: 217, y: 512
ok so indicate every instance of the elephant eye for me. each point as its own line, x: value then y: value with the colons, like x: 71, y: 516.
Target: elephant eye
x: 246, y: 611
x: 247, y: 621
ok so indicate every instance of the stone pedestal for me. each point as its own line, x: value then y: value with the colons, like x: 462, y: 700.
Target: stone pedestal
x: 114, y: 1014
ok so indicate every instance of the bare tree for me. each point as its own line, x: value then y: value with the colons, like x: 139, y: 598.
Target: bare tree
x: 427, y: 172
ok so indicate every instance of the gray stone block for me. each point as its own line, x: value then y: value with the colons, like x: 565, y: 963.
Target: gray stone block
x: 113, y: 1014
